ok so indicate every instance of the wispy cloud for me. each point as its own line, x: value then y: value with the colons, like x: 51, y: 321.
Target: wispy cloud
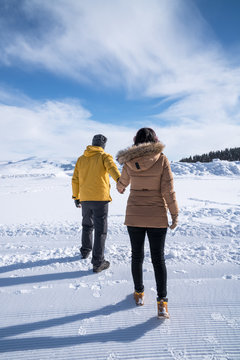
x: 152, y: 47
x: 54, y: 128
x: 158, y: 49
x: 64, y: 128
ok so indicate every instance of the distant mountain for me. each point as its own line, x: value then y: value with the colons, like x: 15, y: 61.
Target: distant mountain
x: 37, y: 167
x: 232, y: 154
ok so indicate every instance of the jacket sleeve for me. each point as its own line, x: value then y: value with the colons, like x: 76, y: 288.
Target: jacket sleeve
x: 124, y: 180
x: 75, y: 182
x: 167, y: 189
x: 111, y: 167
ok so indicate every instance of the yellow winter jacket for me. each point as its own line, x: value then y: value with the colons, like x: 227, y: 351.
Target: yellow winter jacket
x: 90, y: 181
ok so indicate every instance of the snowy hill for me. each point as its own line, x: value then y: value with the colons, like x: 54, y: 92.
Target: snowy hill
x: 34, y: 166
x: 216, y: 167
x: 41, y: 167
x: 55, y: 307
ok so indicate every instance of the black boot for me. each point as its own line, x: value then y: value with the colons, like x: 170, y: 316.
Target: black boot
x: 104, y: 265
x: 84, y: 254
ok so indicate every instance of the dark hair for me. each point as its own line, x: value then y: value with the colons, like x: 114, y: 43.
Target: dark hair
x: 145, y: 135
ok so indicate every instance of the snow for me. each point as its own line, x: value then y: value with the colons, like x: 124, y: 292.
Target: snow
x: 54, y: 306
x: 216, y: 167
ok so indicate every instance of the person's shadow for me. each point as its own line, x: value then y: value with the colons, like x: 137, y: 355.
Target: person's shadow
x: 11, y: 281
x: 42, y: 278
x: 32, y: 264
x: 125, y: 304
x: 127, y: 334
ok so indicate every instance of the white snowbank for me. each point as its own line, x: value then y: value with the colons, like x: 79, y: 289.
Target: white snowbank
x: 41, y: 167
x: 216, y: 167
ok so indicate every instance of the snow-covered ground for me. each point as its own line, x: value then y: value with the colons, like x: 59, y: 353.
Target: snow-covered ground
x: 54, y: 307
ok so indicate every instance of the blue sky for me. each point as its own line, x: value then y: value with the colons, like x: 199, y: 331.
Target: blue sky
x: 70, y: 69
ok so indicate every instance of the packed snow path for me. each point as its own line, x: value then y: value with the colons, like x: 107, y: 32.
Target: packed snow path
x: 54, y: 307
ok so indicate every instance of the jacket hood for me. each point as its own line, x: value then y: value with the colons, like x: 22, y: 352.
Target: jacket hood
x: 93, y: 150
x: 145, y: 149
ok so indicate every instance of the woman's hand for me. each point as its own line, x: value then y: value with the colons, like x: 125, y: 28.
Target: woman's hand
x: 174, y: 222
x: 120, y: 187
x: 121, y: 191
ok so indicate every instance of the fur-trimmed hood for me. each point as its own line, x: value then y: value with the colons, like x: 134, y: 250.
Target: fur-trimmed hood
x: 138, y: 151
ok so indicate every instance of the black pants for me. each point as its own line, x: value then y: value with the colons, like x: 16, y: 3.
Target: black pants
x: 94, y: 216
x: 156, y: 237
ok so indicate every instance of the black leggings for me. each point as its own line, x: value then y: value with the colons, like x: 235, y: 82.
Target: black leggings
x: 156, y: 237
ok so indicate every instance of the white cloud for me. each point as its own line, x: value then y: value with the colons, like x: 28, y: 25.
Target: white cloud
x: 151, y: 48
x: 11, y: 96
x: 58, y: 129
x: 65, y: 128
x: 195, y: 139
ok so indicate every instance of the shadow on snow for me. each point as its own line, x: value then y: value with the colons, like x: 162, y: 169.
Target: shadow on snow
x: 31, y: 264
x: 42, y: 278
x: 128, y: 334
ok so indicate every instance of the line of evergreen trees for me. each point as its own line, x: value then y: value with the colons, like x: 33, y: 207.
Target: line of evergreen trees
x: 227, y: 154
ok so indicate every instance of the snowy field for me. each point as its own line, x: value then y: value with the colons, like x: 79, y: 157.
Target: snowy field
x: 54, y: 307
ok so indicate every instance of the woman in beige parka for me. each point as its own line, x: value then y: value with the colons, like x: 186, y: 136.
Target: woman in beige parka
x: 148, y: 172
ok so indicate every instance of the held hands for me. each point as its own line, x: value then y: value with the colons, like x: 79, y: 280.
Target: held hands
x: 120, y: 187
x: 121, y: 191
x: 77, y: 203
x: 174, y: 222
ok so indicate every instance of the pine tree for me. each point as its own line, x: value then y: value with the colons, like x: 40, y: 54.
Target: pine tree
x: 232, y: 154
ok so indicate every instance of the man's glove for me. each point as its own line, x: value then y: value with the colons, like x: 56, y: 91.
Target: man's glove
x: 174, y: 222
x: 77, y: 203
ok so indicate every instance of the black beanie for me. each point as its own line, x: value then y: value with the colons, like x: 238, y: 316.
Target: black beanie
x: 99, y: 140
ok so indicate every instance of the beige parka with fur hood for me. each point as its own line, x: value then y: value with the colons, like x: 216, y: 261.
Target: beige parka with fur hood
x: 148, y: 171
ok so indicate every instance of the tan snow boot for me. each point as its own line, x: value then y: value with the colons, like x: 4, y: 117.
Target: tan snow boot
x: 139, y: 297
x: 162, y: 309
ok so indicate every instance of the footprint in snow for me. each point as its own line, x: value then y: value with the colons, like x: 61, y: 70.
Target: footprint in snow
x: 36, y: 287
x: 112, y: 356
x: 74, y: 287
x: 23, y: 292
x: 89, y: 320
x: 101, y: 278
x: 78, y: 286
x: 116, y: 282
x: 218, y: 317
x: 231, y: 277
x: 180, y: 271
x: 178, y: 354
x: 211, y: 340
x: 82, y: 331
x: 96, y: 290
x: 233, y: 323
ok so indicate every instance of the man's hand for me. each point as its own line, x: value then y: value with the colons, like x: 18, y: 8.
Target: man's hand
x: 174, y: 222
x: 121, y: 191
x: 120, y: 187
x: 77, y: 203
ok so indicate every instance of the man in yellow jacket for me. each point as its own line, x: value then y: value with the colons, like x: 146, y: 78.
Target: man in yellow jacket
x: 91, y: 192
